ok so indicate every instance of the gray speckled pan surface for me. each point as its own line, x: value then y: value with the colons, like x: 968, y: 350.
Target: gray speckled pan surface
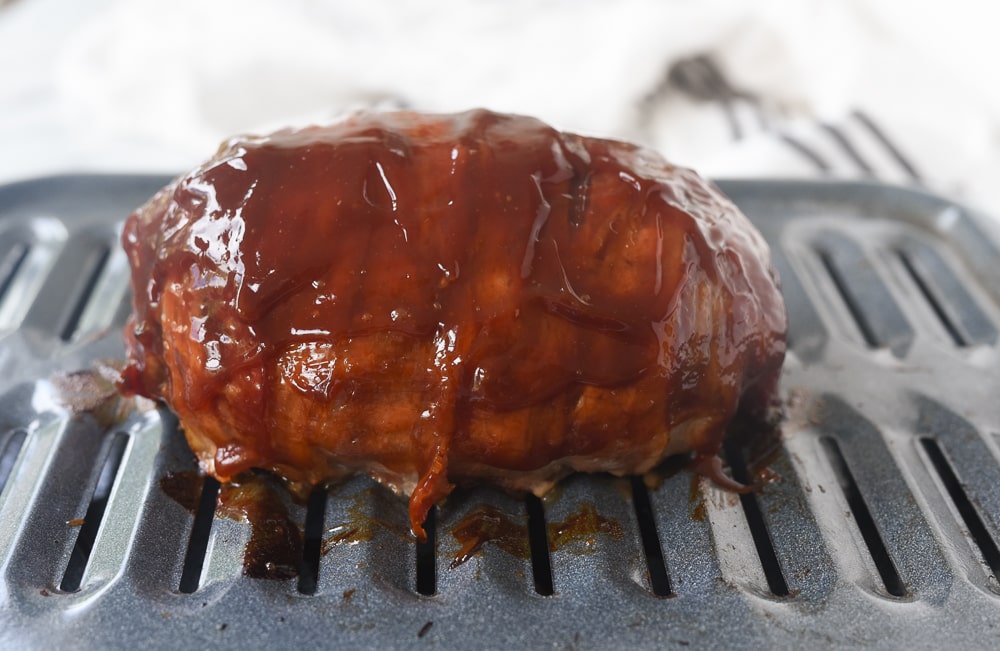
x: 881, y: 532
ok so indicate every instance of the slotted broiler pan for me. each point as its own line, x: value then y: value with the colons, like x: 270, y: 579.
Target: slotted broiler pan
x: 880, y: 529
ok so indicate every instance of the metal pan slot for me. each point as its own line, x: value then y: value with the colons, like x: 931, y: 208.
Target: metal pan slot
x: 126, y: 504
x: 783, y: 524
x: 963, y: 504
x: 11, y: 449
x: 24, y: 268
x: 659, y: 577
x: 890, y: 525
x: 312, y: 542
x: 88, y: 280
x: 758, y: 525
x: 201, y: 530
x: 99, y: 301
x: 255, y: 535
x: 979, y: 251
x: 52, y: 489
x: 91, y: 522
x: 426, y: 553
x: 538, y: 543
x: 594, y: 545
x: 968, y: 473
x: 63, y: 298
x: 951, y: 303
x: 693, y: 518
x: 874, y: 311
x: 10, y: 263
x: 863, y: 518
x: 389, y: 551
x: 343, y: 563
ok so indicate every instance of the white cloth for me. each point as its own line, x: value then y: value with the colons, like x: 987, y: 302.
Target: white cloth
x: 151, y: 85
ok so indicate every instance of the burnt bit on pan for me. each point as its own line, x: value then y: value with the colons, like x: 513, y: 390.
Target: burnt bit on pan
x: 258, y: 499
x: 183, y: 487
x: 275, y: 545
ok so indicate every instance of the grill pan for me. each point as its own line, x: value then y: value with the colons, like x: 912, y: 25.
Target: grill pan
x: 881, y: 528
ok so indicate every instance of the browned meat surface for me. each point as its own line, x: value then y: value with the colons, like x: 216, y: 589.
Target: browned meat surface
x: 435, y: 299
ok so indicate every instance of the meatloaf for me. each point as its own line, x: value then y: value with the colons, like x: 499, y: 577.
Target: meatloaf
x: 439, y: 299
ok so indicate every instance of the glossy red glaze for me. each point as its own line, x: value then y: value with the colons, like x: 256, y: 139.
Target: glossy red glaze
x: 434, y: 298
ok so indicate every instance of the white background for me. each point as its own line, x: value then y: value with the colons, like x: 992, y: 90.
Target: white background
x: 154, y: 85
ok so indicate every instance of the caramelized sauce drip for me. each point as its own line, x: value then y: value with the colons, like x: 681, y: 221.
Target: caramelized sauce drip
x: 275, y: 546
x: 360, y: 525
x: 488, y: 524
x: 345, y: 534
x: 183, y: 487
x: 583, y: 525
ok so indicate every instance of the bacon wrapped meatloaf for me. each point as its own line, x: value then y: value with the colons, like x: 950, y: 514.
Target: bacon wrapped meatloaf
x: 436, y: 299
